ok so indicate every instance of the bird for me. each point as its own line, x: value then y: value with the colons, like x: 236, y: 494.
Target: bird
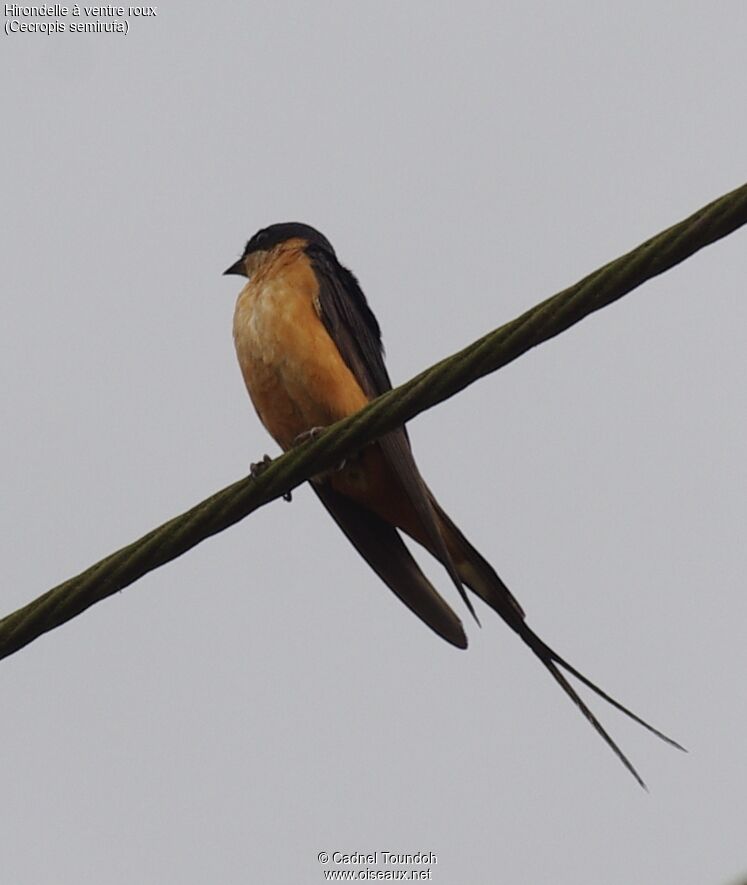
x: 310, y: 352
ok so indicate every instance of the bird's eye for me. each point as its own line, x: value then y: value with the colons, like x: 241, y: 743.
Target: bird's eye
x: 257, y: 243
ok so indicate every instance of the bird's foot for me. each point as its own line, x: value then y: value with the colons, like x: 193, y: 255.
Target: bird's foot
x: 258, y: 468
x: 312, y: 434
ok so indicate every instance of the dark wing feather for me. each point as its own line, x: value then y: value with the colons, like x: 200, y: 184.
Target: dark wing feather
x: 383, y: 549
x: 353, y: 327
x: 350, y: 322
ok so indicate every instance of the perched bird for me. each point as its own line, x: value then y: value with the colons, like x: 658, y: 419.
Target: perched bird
x: 310, y: 352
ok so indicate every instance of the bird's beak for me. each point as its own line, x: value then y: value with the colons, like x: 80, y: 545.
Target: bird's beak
x: 236, y: 268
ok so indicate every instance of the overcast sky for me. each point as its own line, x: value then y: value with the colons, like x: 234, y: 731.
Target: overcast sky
x: 265, y: 697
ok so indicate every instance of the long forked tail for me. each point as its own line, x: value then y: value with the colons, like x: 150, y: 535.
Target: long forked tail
x: 481, y: 578
x: 554, y: 662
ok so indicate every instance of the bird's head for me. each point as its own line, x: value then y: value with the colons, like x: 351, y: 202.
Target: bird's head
x: 290, y: 232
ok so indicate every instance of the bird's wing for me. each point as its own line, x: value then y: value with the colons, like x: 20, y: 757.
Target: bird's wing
x: 351, y: 324
x: 383, y: 549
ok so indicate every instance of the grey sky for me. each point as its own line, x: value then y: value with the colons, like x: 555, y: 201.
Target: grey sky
x: 265, y: 697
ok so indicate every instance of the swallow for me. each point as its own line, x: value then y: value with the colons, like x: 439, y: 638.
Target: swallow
x: 311, y: 353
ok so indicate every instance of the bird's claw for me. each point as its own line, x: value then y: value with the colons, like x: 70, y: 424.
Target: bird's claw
x: 310, y: 434
x: 256, y: 469
x: 314, y: 433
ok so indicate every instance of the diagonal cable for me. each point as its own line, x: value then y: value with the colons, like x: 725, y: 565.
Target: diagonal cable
x: 441, y: 381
